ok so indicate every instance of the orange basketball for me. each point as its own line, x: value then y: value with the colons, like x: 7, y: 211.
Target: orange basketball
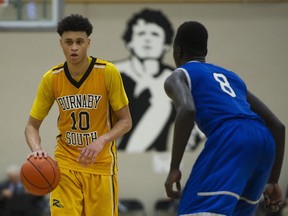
x: 40, y: 176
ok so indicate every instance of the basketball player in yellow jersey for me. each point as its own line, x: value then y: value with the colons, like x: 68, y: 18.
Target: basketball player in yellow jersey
x: 93, y: 113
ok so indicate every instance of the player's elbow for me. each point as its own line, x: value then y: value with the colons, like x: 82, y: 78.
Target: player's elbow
x: 187, y: 111
x: 278, y: 130
x: 187, y: 106
x: 281, y: 128
x: 277, y: 125
x: 128, y: 125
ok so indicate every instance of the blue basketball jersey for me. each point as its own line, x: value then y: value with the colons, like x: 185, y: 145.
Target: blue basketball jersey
x: 230, y: 173
x: 219, y: 95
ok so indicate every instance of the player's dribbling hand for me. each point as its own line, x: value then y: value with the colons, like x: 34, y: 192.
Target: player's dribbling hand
x: 38, y: 153
x: 272, y: 197
x: 174, y: 177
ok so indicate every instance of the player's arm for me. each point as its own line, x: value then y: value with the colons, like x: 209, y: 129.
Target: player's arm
x: 177, y: 89
x: 123, y: 125
x: 276, y: 127
x: 272, y: 192
x: 119, y: 103
x: 42, y: 104
x: 33, y: 138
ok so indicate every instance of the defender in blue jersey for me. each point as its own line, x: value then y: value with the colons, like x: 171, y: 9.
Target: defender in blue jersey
x: 243, y: 155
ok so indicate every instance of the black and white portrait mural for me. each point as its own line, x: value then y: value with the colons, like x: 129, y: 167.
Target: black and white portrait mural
x: 148, y: 37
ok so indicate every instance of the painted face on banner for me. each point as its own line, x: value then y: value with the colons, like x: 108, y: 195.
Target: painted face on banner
x: 148, y: 40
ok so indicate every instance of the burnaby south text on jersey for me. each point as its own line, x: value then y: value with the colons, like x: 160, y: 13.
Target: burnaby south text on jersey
x: 87, y: 101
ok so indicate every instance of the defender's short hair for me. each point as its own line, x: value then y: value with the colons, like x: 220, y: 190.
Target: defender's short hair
x: 192, y: 37
x: 74, y: 22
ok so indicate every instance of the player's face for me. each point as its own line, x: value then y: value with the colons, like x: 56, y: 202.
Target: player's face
x: 148, y: 40
x: 75, y: 46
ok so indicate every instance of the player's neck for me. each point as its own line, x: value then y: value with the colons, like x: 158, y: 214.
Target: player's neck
x: 198, y: 58
x: 188, y: 58
x: 78, y: 69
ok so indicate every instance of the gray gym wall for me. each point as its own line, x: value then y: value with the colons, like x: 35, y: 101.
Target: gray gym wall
x: 249, y: 38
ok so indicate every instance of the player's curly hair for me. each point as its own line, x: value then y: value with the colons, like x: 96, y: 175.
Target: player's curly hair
x: 192, y: 38
x: 150, y: 16
x: 74, y: 22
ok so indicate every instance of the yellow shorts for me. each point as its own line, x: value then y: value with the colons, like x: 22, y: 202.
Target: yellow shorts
x: 84, y: 194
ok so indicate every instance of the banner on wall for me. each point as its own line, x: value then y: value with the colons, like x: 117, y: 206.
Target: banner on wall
x: 148, y: 37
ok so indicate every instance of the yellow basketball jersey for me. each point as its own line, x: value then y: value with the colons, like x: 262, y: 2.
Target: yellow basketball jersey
x: 86, y: 111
